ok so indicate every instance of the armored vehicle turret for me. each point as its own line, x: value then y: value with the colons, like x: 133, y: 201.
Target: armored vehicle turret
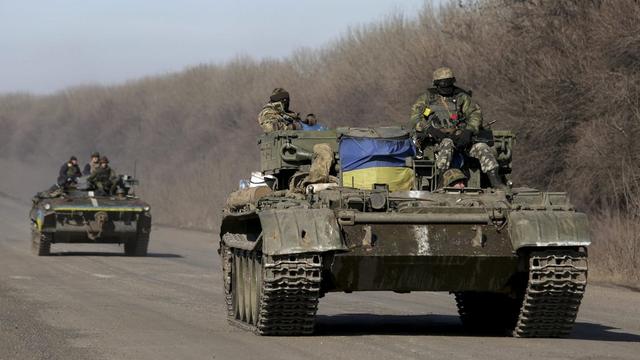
x: 79, y: 213
x: 514, y: 259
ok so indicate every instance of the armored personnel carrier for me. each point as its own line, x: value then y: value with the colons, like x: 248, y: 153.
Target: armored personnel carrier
x: 514, y: 259
x: 79, y: 214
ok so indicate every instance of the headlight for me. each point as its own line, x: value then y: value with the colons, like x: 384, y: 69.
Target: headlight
x: 146, y: 208
x: 47, y: 206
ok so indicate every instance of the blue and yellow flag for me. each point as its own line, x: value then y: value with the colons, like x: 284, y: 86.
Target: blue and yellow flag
x: 366, y: 161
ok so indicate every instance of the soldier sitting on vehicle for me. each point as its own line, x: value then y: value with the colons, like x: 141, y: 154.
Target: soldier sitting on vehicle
x: 92, y: 165
x: 275, y: 115
x: 104, y: 178
x: 69, y: 172
x: 448, y: 118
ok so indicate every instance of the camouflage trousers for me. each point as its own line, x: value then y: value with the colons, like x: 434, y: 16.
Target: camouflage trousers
x: 481, y: 151
x: 444, y: 153
x: 320, y: 164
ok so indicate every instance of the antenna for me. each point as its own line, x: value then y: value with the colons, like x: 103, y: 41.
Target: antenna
x: 135, y: 178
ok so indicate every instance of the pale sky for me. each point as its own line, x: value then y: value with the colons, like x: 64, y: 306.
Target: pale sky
x: 47, y: 45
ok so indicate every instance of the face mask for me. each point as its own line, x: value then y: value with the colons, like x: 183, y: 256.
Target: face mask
x: 285, y: 104
x: 444, y: 87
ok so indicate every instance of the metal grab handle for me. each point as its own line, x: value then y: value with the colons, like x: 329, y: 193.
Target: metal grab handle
x: 347, y: 218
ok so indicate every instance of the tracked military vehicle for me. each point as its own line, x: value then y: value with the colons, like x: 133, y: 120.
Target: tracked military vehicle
x: 80, y: 214
x: 514, y: 259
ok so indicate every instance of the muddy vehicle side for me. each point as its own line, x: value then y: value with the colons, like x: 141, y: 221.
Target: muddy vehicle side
x: 515, y: 260
x: 79, y: 215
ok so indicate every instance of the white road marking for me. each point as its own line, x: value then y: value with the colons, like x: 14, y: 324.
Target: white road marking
x: 103, y: 276
x: 94, y: 202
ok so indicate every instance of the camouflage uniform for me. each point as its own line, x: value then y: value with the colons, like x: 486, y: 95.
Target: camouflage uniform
x: 274, y: 117
x: 451, y: 115
x: 104, y: 178
x: 320, y: 164
x: 91, y: 166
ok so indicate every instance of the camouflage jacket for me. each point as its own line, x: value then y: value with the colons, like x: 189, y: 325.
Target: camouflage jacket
x: 273, y: 117
x: 90, y: 168
x: 103, y: 176
x: 458, y: 111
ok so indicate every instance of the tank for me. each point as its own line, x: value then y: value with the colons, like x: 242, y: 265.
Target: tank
x: 78, y: 214
x: 514, y: 259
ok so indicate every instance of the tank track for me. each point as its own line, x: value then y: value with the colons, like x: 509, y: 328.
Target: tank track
x: 40, y: 243
x: 287, y: 298
x: 227, y: 256
x: 556, y: 285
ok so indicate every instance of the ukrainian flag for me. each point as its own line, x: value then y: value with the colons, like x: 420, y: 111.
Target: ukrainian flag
x: 365, y: 161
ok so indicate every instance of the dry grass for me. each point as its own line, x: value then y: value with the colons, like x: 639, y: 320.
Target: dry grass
x: 564, y: 75
x: 615, y: 253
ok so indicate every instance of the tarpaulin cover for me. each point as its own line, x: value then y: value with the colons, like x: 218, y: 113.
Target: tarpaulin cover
x: 368, y: 161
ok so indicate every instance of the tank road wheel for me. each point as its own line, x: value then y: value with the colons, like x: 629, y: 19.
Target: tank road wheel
x: 271, y: 295
x: 245, y: 287
x: 227, y: 263
x: 137, y: 246
x: 556, y: 284
x: 41, y: 243
x: 487, y: 312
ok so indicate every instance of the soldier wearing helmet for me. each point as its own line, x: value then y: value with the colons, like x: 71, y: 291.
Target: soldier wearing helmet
x: 275, y: 115
x: 92, y: 165
x: 454, y: 178
x: 104, y: 178
x: 447, y: 116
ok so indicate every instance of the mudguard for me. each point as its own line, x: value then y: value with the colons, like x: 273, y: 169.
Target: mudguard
x: 295, y: 231
x: 546, y: 228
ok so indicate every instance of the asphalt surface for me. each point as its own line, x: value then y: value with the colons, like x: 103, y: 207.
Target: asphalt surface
x: 90, y: 302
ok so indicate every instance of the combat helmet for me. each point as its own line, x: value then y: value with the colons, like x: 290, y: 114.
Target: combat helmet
x: 451, y: 176
x: 104, y: 160
x: 279, y: 94
x: 442, y: 73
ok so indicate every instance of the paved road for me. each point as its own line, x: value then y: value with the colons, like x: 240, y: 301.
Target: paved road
x: 89, y: 302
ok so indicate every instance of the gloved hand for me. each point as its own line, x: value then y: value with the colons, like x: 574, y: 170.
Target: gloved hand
x: 420, y: 136
x: 462, y: 138
x: 435, y: 134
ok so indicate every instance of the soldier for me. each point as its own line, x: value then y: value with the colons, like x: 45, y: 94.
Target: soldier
x: 91, y: 166
x: 275, y: 115
x: 104, y: 178
x: 69, y: 172
x: 454, y: 178
x: 447, y: 116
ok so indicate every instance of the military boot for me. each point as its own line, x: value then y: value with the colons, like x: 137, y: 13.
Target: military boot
x: 495, y: 180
